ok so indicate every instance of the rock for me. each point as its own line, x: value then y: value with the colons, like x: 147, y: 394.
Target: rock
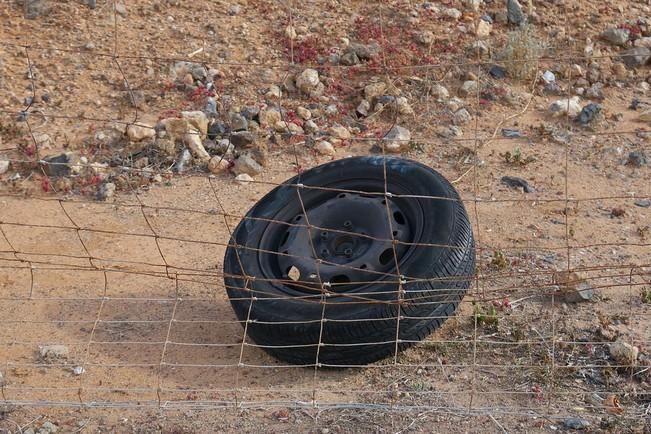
x: 324, y: 147
x: 349, y: 58
x: 572, y: 288
x: 461, y: 117
x: 624, y: 353
x: 472, y: 5
x: 365, y: 51
x: 643, y: 203
x: 575, y: 423
x: 198, y: 120
x: 184, y: 160
x: 238, y: 122
x: 439, y: 92
x: 105, y: 191
x: 637, y: 159
x: 274, y: 92
x: 469, y: 87
x: 58, y: 165
x: 453, y: 13
x: 635, y: 57
x: 363, y: 108
x: 121, y: 10
x: 243, y: 179
x: 78, y: 370
x: 339, y: 132
x: 304, y: 113
x: 403, y: 106
x: 569, y: 107
x: 269, y: 118
x: 234, y: 9
x: 218, y: 165
x: 166, y: 146
x: 245, y: 164
x: 4, y: 166
x: 514, y: 13
x: 449, y: 132
x: 497, y: 72
x: 35, y: 8
x: 396, y: 139
x: 310, y: 126
x: 308, y: 80
x: 139, y: 132
x: 514, y: 182
x: 48, y: 428
x: 454, y: 104
x: 425, y: 38
x: 242, y: 139
x: 479, y: 49
x: 136, y: 98
x: 595, y: 91
x: 588, y: 113
x: 53, y: 352
x: 374, y: 90
x: 192, y: 140
x: 548, y: 77
x: 175, y: 128
x: 511, y: 133
x: 483, y: 29
x: 616, y: 36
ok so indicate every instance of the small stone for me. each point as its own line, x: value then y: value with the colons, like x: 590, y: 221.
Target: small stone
x: 374, y: 90
x: 175, y: 128
x: 453, y: 13
x: 78, y: 370
x: 455, y: 104
x: 461, y: 117
x: 339, y: 132
x: 192, y: 140
x: 396, y: 139
x: 49, y: 428
x: 2, y: 381
x: 139, y: 132
x: 274, y: 92
x: 469, y: 87
x: 197, y: 119
x: 514, y: 12
x: 643, y: 203
x: 106, y: 191
x: 623, y: 352
x: 121, y: 9
x: 365, y: 51
x: 425, y: 38
x: 439, y: 92
x: 549, y: 77
x: 588, y: 113
x: 53, y: 351
x: 472, y: 5
x: 483, y: 29
x: 269, y: 118
x: 324, y: 147
x: 290, y: 32
x: 635, y: 57
x: 595, y: 91
x: 616, y: 36
x: 4, y: 166
x: 552, y: 88
x: 58, y: 165
x: 568, y: 107
x: 35, y: 8
x: 637, y: 159
x: 184, y: 160
x: 575, y: 423
x: 242, y: 139
x: 404, y: 108
x: 245, y: 164
x: 304, y: 113
x: 572, y: 288
x: 238, y: 122
x: 308, y: 80
x: 234, y: 9
x: 310, y: 126
x: 218, y: 165
x: 243, y: 179
x: 515, y: 182
x: 449, y: 132
x: 497, y: 72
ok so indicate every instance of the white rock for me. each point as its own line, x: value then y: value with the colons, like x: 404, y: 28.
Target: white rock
x: 403, y: 106
x: 623, y: 353
x: 469, y: 87
x: 461, y: 117
x: 304, y: 113
x: 473, y: 5
x: 307, y: 80
x: 374, y: 89
x: 570, y: 107
x: 454, y: 104
x: 273, y: 92
x: 78, y: 370
x: 483, y: 29
x: 243, y: 178
x: 53, y: 351
x: 140, y: 132
x: 453, y: 13
x: 192, y: 140
x: 325, y: 148
x: 310, y: 126
x: 218, y: 165
x: 197, y: 119
x: 439, y: 92
x: 339, y: 132
x: 245, y: 164
x: 396, y: 139
x: 4, y: 166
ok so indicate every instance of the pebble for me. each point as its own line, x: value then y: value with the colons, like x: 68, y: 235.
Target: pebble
x: 57, y: 165
x: 472, y: 5
x: 468, y: 87
x: 238, y: 122
x: 453, y: 13
x: 4, y: 166
x: 637, y: 159
x: 53, y: 351
x: 140, y: 132
x: 339, y: 132
x: 308, y: 80
x: 623, y: 352
x: 243, y: 179
x: 483, y: 29
x: 514, y: 12
x: 310, y: 126
x: 218, y: 165
x: 78, y: 370
x: 304, y: 113
x: 274, y: 92
x: 643, y: 203
x: 365, y: 51
x: 2, y: 380
x: 575, y: 423
x: 461, y: 117
x: 121, y: 9
x: 511, y: 133
x: 515, y: 182
x: 497, y: 72
x: 269, y: 118
x: 572, y: 288
x: 374, y: 90
x: 595, y: 91
x: 363, y: 108
x: 324, y: 147
x: 48, y: 428
x: 105, y: 191
x: 439, y: 92
x: 242, y: 139
x: 396, y: 139
x: 404, y: 108
x: 588, y: 113
x: 616, y: 36
x: 449, y: 132
x: 35, y: 8
x: 635, y: 57
x: 245, y: 164
x: 425, y: 38
x: 234, y: 9
x: 566, y: 106
x: 549, y: 77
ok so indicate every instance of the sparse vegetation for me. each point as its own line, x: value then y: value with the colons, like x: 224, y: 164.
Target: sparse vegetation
x: 521, y: 53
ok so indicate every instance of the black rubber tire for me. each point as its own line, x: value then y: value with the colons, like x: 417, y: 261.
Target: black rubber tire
x: 438, y: 269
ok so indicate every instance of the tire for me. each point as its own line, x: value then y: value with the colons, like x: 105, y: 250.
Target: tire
x: 362, y: 316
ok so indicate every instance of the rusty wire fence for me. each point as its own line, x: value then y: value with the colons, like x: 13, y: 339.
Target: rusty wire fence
x: 122, y: 303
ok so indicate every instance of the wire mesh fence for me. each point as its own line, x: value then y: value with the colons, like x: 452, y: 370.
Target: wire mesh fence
x: 112, y: 280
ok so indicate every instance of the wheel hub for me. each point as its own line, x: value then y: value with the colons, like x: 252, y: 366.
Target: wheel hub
x: 348, y: 241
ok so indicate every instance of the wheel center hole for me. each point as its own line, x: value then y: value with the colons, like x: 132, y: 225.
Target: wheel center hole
x: 344, y: 245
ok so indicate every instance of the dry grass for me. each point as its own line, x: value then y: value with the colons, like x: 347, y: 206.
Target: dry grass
x: 521, y: 53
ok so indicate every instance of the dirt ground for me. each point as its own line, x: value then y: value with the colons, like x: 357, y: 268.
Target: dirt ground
x: 131, y: 284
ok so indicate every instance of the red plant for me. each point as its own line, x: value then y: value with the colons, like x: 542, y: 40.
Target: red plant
x: 45, y: 184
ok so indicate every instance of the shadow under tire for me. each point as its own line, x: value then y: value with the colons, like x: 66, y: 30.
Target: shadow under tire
x: 332, y: 230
